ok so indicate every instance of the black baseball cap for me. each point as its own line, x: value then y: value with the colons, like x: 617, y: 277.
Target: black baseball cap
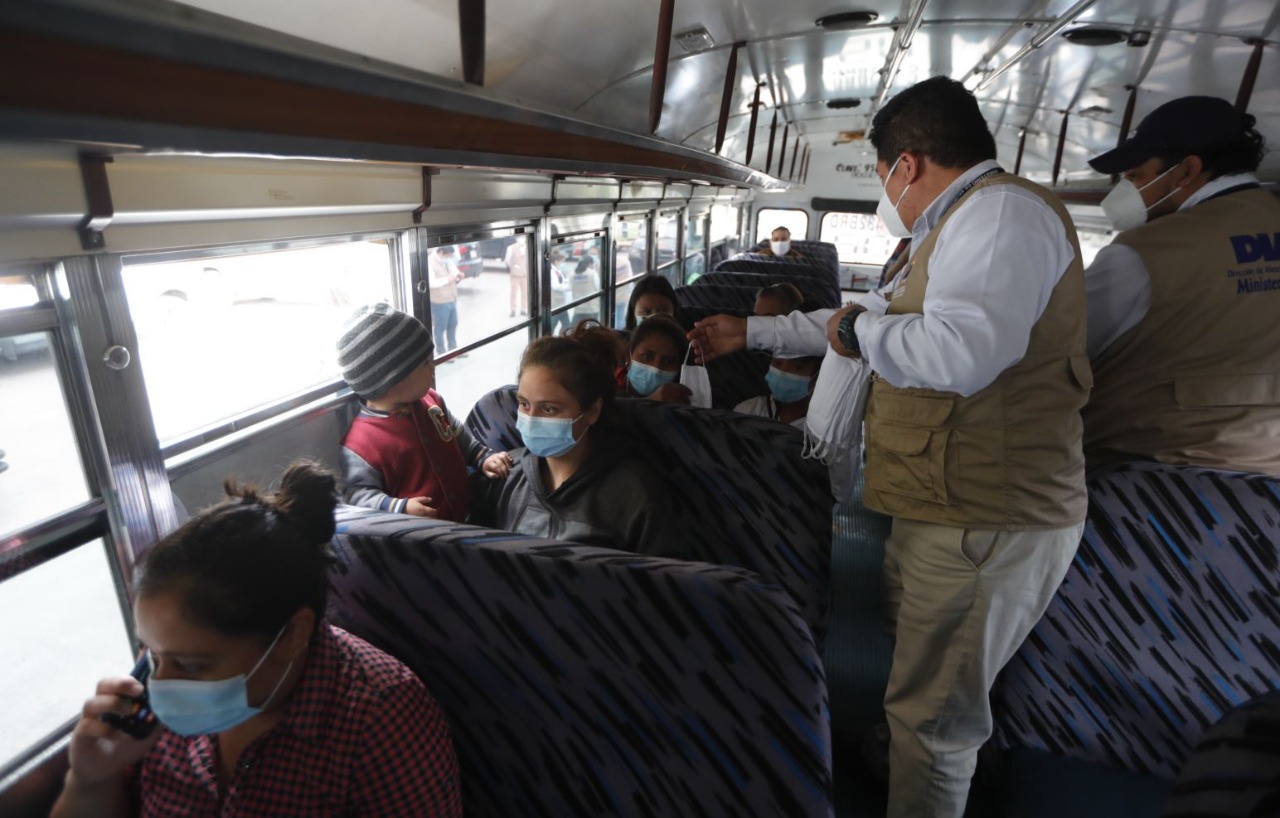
x: 1185, y: 124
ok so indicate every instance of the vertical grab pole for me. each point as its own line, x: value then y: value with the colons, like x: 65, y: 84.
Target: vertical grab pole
x: 773, y: 131
x: 1062, y: 141
x: 1022, y: 146
x: 661, y: 52
x: 795, y: 155
x: 1250, y: 76
x: 782, y: 158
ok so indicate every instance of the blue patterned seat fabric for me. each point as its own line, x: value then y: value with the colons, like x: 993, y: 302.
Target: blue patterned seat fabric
x: 816, y: 294
x: 823, y: 253
x: 1168, y: 618
x: 740, y: 488
x: 729, y: 298
x: 582, y: 681
x: 787, y: 268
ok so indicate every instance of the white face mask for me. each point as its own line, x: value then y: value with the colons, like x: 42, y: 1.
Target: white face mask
x: 780, y: 248
x: 888, y: 211
x: 1124, y: 205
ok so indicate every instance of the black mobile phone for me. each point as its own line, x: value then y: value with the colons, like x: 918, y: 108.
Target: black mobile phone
x: 141, y: 722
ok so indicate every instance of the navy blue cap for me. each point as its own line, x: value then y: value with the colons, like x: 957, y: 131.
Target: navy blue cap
x: 1185, y: 124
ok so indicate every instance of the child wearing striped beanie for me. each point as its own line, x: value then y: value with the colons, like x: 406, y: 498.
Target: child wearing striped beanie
x: 404, y: 451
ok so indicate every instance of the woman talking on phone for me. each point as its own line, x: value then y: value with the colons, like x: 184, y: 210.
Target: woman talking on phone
x: 264, y: 708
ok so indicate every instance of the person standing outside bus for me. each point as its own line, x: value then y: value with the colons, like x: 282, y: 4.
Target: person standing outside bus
x: 973, y: 425
x: 445, y: 275
x: 1182, y: 304
x: 517, y: 261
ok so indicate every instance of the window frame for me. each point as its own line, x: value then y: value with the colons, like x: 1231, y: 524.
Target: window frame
x: 807, y: 224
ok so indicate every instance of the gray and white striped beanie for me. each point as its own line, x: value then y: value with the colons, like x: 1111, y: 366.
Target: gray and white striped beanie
x: 379, y: 347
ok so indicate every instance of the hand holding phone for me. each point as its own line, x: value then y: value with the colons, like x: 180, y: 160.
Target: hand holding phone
x: 142, y: 721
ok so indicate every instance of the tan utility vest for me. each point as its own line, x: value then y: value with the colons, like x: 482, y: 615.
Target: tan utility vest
x: 1197, y: 381
x: 1008, y: 457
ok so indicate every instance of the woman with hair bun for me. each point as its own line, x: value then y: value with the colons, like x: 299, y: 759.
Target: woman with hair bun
x: 263, y: 707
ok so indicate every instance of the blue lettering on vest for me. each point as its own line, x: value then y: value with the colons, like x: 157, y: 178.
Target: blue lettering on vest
x: 1257, y: 247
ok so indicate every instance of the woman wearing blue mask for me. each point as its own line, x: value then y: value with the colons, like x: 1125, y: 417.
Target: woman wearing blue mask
x: 651, y: 296
x: 263, y: 708
x: 658, y: 348
x: 790, y: 383
x: 577, y: 478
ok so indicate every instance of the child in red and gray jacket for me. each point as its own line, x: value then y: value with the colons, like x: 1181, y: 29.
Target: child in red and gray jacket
x: 404, y: 451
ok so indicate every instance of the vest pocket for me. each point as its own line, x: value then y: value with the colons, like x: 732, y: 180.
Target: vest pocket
x: 908, y: 462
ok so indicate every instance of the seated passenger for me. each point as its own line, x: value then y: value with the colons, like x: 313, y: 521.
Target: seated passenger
x: 578, y: 478
x: 404, y: 451
x: 780, y: 245
x: 778, y: 299
x: 658, y: 348
x: 791, y: 382
x: 1183, y: 337
x: 264, y: 708
x: 652, y: 295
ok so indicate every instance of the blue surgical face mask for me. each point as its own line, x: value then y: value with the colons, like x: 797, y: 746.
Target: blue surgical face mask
x: 190, y: 707
x: 786, y: 387
x: 547, y: 437
x: 646, y: 379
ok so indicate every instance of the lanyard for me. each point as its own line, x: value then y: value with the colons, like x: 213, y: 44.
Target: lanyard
x: 968, y: 187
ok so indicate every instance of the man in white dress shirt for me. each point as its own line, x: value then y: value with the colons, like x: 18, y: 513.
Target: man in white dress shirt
x: 973, y: 424
x: 1183, y: 305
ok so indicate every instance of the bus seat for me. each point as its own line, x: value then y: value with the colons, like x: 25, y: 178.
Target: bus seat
x: 817, y: 296
x: 823, y: 253
x: 583, y: 681
x: 493, y: 419
x: 787, y: 268
x: 744, y: 494
x: 1166, y: 619
x: 728, y: 298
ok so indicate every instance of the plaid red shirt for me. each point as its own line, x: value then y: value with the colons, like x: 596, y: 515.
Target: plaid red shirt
x: 360, y: 737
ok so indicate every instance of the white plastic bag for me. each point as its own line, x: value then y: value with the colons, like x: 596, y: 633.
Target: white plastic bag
x: 833, y: 425
x: 695, y: 378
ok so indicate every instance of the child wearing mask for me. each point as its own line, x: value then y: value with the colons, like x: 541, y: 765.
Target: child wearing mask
x: 577, y: 478
x: 658, y: 348
x: 791, y: 382
x: 404, y: 451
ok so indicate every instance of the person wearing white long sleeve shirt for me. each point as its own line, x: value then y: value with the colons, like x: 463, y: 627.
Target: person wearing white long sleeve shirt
x: 1182, y: 327
x: 973, y: 425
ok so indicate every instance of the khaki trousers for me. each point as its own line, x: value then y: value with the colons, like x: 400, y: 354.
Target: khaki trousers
x: 961, y: 602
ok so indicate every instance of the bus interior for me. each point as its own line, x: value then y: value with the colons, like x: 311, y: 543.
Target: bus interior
x: 195, y: 195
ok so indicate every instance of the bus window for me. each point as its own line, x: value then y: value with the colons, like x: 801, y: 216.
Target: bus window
x: 244, y: 331
x: 577, y: 281
x: 668, y: 262
x: 630, y: 238
x: 695, y: 248
x: 41, y: 473
x: 860, y: 238
x: 464, y: 380
x: 479, y: 289
x: 64, y: 630
x: 770, y: 219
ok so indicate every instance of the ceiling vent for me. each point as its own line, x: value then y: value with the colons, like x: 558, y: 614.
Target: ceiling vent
x: 848, y: 102
x: 847, y: 19
x: 1095, y: 36
x: 695, y: 39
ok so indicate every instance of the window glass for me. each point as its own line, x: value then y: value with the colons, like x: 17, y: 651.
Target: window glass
x: 724, y: 222
x: 577, y: 284
x: 860, y: 238
x: 17, y: 291
x: 41, y: 472
x: 631, y: 241
x: 479, y: 289
x: 221, y: 336
x: 770, y: 219
x: 695, y: 248
x: 668, y: 263
x: 464, y: 380
x: 64, y: 631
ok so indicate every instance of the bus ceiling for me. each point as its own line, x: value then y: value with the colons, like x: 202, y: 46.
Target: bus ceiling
x: 752, y: 94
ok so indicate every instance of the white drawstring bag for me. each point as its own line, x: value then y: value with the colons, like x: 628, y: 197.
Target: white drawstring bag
x: 833, y: 425
x: 695, y: 378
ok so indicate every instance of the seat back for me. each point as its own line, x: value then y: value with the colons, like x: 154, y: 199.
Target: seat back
x: 788, y: 269
x: 816, y: 294
x: 582, y: 681
x: 1167, y: 618
x: 493, y: 419
x: 729, y: 298
x: 744, y: 495
x: 823, y: 253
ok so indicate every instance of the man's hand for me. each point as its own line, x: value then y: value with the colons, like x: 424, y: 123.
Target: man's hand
x: 421, y: 507
x: 718, y: 335
x: 497, y: 466
x: 833, y: 331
